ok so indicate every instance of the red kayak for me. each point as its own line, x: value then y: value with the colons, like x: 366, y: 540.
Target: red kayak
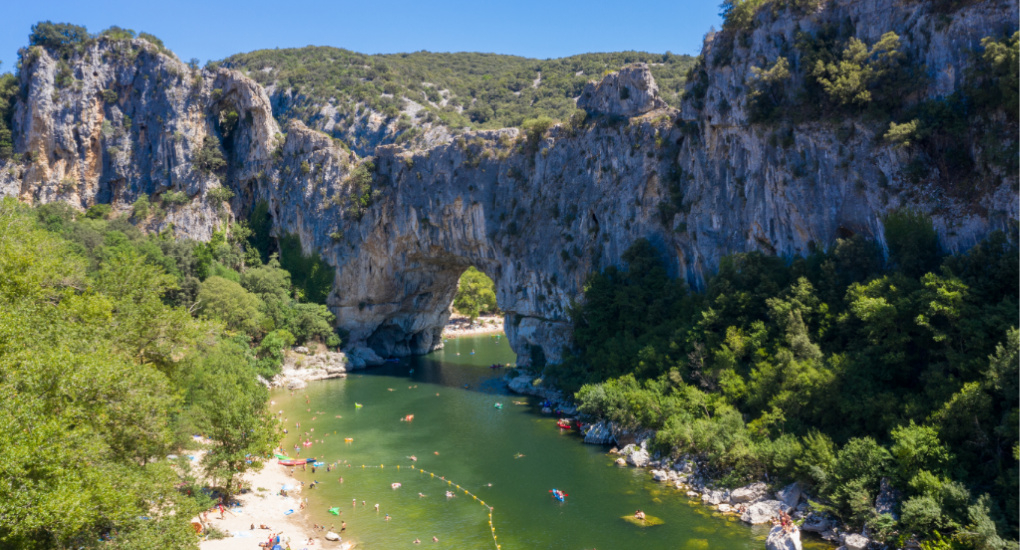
x: 564, y: 424
x: 293, y: 462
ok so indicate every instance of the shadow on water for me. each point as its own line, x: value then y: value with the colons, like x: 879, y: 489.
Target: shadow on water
x: 462, y: 363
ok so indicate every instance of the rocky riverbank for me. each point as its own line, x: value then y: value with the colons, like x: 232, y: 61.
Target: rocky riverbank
x: 756, y: 503
x: 302, y: 365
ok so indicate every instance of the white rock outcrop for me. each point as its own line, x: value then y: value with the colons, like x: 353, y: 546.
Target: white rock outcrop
x: 750, y: 493
x: 761, y: 512
x: 779, y: 539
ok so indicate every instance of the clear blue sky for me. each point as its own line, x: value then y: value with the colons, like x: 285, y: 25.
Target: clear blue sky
x: 214, y: 29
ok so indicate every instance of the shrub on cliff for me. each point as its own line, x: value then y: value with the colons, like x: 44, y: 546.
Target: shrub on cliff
x: 209, y: 158
x: 62, y: 38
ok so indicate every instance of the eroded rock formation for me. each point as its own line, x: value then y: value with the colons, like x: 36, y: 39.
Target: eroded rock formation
x: 538, y: 214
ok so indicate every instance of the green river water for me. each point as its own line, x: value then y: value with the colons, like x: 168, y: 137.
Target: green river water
x: 459, y: 434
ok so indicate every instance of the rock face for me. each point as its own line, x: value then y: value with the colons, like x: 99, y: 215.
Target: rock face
x: 301, y: 367
x: 762, y: 512
x: 790, y: 495
x: 751, y: 493
x: 629, y: 92
x: 781, y: 540
x: 888, y: 499
x: 855, y: 542
x: 599, y: 433
x: 538, y: 216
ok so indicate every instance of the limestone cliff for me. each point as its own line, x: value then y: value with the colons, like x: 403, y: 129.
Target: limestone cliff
x: 537, y: 212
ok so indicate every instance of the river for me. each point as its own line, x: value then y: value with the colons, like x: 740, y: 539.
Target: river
x: 508, y: 457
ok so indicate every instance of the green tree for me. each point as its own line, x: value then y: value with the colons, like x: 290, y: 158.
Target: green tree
x: 476, y: 294
x: 229, y: 302
x: 234, y: 412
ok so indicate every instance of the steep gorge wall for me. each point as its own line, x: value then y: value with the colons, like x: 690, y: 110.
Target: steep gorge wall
x: 537, y: 214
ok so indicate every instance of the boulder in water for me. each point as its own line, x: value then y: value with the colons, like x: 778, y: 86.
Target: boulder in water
x: 779, y: 539
x: 332, y: 536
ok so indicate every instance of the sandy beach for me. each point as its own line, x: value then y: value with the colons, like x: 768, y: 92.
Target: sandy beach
x: 460, y: 325
x: 264, y: 505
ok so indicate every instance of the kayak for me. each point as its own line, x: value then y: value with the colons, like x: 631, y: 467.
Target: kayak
x: 294, y: 462
x: 563, y: 424
x: 318, y: 464
x: 558, y: 494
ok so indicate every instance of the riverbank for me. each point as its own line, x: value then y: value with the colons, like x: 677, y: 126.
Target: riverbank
x: 755, y: 504
x: 461, y: 325
x: 263, y: 505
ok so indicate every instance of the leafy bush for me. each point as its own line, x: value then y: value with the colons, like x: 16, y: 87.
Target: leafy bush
x: 768, y: 90
x: 140, y: 208
x: 209, y: 158
x: 535, y: 128
x: 219, y: 194
x: 98, y: 211
x: 175, y: 198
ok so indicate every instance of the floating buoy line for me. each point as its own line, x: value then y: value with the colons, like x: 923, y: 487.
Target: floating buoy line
x: 432, y: 475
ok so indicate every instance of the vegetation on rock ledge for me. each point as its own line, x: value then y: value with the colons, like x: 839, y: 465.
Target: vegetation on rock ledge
x: 836, y: 370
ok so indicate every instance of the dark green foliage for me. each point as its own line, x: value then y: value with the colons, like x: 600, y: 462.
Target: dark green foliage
x: 261, y: 224
x: 8, y: 92
x: 497, y: 91
x: 62, y: 38
x: 117, y: 33
x: 209, y: 159
x: 311, y: 276
x: 98, y: 211
x: 912, y: 241
x: 826, y: 370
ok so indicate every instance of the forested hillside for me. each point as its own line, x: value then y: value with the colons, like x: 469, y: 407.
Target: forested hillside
x: 836, y: 370
x: 335, y: 90
x: 115, y: 348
